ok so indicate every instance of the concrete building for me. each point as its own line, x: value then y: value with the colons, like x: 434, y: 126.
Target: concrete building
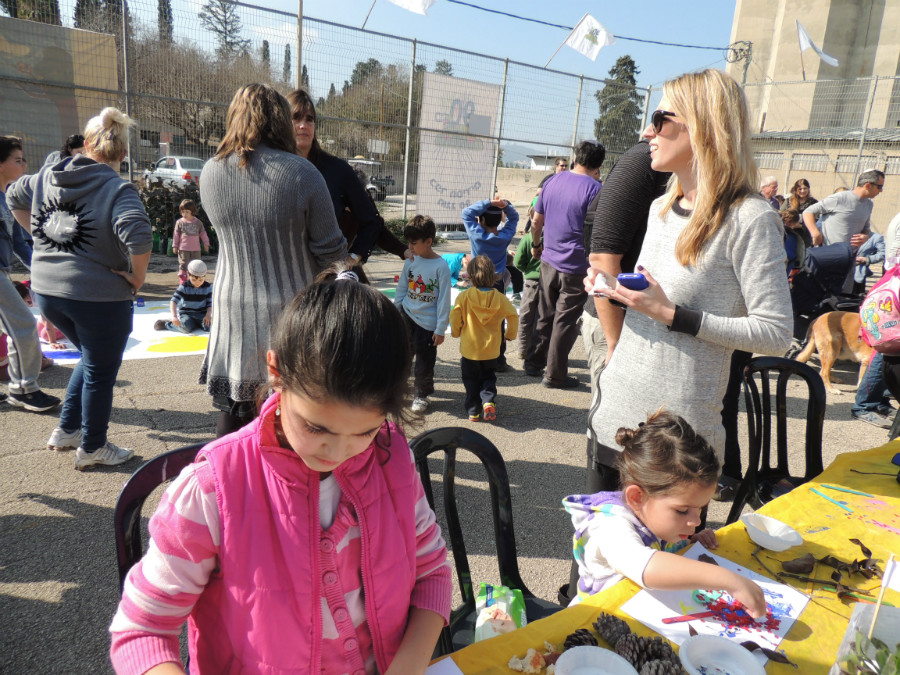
x: 813, y: 120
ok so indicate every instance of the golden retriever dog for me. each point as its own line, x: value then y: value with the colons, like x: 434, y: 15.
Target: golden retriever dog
x: 835, y: 335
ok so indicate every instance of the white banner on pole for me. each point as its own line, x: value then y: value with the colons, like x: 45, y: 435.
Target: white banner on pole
x: 807, y: 43
x: 456, y: 165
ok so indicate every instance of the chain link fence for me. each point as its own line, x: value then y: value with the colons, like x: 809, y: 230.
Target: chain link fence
x: 828, y: 132
x: 427, y: 123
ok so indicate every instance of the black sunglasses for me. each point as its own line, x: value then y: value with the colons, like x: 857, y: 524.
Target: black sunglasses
x: 658, y: 118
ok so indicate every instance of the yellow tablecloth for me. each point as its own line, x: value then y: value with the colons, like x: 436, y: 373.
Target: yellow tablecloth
x: 813, y: 640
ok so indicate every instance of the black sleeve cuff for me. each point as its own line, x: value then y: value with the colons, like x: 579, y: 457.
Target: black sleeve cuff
x: 686, y: 320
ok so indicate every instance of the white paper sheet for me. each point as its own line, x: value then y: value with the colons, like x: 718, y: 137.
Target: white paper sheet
x: 445, y: 667
x: 651, y: 607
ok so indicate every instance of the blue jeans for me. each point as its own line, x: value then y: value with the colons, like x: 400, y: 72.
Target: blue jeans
x: 100, y: 331
x: 188, y: 324
x: 873, y: 392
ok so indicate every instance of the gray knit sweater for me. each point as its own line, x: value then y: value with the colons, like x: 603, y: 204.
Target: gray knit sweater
x: 742, y: 289
x: 276, y: 230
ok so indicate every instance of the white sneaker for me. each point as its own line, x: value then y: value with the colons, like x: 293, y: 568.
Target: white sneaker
x: 61, y: 439
x: 109, y: 455
x: 420, y: 404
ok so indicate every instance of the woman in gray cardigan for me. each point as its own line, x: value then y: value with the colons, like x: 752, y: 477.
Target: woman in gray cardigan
x: 714, y: 258
x: 276, y: 229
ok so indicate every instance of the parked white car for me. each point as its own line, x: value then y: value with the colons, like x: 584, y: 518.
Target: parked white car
x: 175, y: 170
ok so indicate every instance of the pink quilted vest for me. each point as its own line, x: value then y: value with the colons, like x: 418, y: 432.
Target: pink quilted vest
x: 261, y: 611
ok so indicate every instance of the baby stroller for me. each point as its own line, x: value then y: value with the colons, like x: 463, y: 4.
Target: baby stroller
x: 816, y: 288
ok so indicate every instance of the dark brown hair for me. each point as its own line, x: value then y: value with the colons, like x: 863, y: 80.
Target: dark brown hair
x: 481, y: 272
x: 790, y: 216
x: 257, y: 115
x: 331, y: 272
x: 664, y: 453
x: 343, y: 340
x: 188, y: 205
x: 420, y: 228
x: 301, y: 103
x: 7, y: 145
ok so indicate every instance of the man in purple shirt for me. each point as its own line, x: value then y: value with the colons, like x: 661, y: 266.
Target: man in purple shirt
x: 559, y: 217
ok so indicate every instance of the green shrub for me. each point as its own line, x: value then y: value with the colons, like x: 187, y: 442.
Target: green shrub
x: 161, y: 202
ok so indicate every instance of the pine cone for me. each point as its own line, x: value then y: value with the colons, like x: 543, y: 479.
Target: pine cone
x: 631, y: 648
x: 580, y: 637
x: 611, y: 628
x: 658, y: 649
x: 661, y: 668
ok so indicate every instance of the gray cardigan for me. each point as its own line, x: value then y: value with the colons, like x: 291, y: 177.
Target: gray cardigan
x: 741, y: 288
x: 277, y: 230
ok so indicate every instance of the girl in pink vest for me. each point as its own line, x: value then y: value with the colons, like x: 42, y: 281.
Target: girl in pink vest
x: 302, y: 542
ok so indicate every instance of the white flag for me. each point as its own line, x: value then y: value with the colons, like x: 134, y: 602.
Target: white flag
x: 417, y: 6
x: 806, y: 42
x: 589, y: 36
x: 891, y: 576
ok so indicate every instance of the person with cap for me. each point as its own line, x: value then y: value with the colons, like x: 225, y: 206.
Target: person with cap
x: 191, y: 304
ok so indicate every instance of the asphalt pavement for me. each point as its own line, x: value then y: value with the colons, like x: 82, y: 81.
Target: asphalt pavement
x: 58, y: 579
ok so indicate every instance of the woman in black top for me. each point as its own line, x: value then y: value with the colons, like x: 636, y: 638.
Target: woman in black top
x: 359, y: 220
x: 800, y: 198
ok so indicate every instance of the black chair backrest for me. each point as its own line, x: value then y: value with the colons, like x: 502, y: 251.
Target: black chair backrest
x: 447, y: 441
x: 759, y: 426
x: 142, y: 483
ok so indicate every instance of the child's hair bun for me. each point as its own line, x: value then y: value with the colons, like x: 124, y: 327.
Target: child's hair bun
x: 624, y: 435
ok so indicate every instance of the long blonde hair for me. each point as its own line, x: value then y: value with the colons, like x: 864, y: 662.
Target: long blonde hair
x: 714, y: 110
x: 107, y: 134
x: 258, y: 114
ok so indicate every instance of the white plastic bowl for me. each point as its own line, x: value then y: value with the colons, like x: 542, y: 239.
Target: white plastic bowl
x: 771, y: 533
x: 588, y: 660
x: 714, y: 655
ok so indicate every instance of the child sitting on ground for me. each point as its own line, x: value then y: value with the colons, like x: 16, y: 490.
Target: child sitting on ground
x: 668, y: 474
x: 303, y: 542
x: 423, y: 296
x: 476, y: 319
x: 190, y: 237
x: 191, y: 304
x: 46, y: 330
x: 458, y: 262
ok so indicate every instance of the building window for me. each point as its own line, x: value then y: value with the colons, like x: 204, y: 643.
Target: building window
x: 149, y: 139
x: 809, y: 162
x: 847, y: 163
x: 892, y: 165
x: 769, y: 160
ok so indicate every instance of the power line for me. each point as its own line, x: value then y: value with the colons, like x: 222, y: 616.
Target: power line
x: 570, y: 28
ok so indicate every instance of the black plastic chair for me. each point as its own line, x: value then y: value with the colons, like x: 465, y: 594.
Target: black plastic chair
x: 142, y: 483
x: 762, y: 481
x: 447, y: 441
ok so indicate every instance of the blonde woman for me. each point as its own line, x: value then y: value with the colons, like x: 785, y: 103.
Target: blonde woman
x: 92, y: 245
x: 714, y: 258
x: 277, y: 230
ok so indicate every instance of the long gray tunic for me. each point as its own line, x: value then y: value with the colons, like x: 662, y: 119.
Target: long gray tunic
x: 741, y: 287
x: 276, y: 230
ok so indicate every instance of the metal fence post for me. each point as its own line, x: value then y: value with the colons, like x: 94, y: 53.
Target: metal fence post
x: 644, y: 121
x: 499, y: 127
x: 577, y: 114
x: 127, y: 91
x: 299, y: 44
x: 409, y: 107
x: 862, y: 136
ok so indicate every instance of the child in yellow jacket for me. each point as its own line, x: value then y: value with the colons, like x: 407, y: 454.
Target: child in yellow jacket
x: 476, y: 319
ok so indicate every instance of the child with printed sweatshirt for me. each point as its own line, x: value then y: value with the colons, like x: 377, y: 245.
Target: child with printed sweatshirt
x: 476, y: 319
x: 190, y: 237
x: 423, y: 296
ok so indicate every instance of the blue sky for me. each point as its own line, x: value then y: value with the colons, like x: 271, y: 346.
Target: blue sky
x: 699, y: 22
